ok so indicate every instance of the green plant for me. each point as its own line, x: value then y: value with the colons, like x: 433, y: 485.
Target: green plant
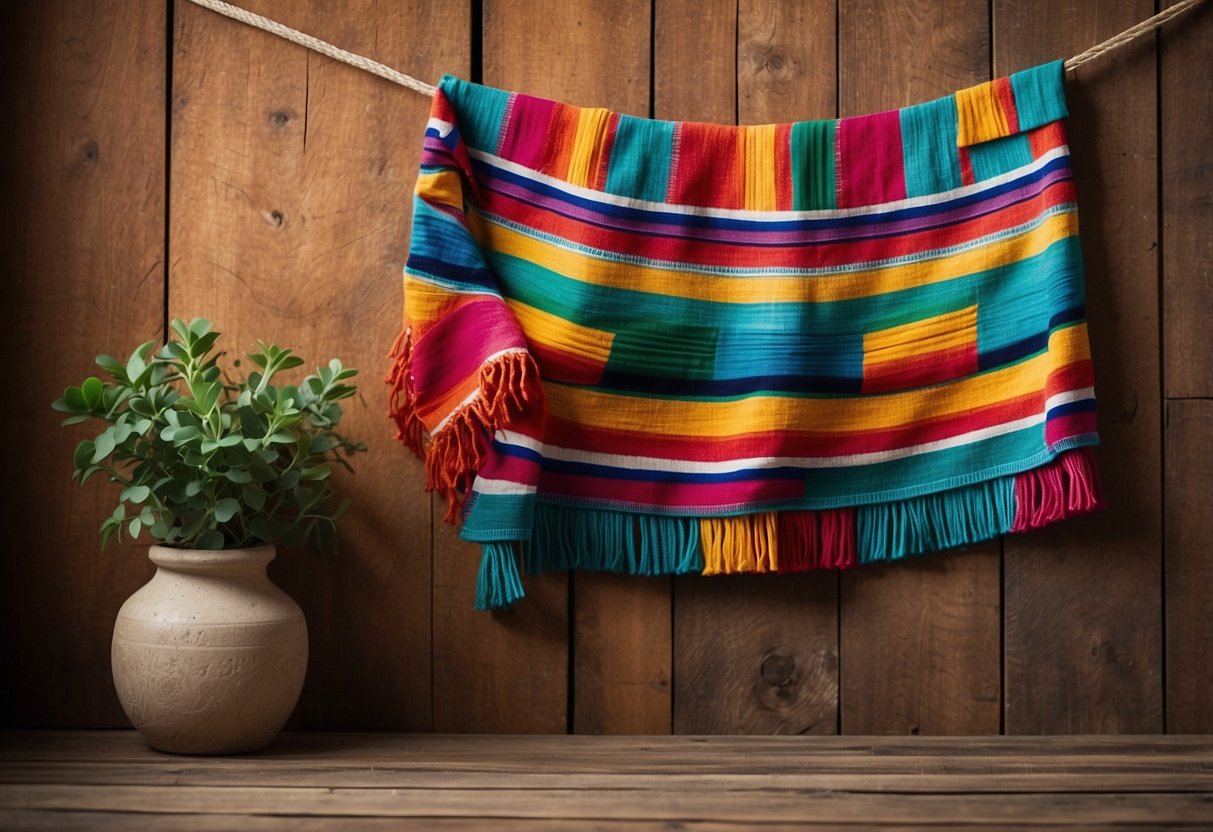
x: 207, y: 462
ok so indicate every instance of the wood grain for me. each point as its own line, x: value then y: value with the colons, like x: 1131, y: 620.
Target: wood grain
x: 291, y: 176
x: 919, y: 639
x: 1186, y: 109
x: 1189, y: 568
x: 82, y: 156
x: 1083, y: 643
x: 602, y: 782
x: 752, y: 654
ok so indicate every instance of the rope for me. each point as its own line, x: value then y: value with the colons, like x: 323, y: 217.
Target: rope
x: 1147, y: 25
x: 317, y: 45
x: 396, y: 77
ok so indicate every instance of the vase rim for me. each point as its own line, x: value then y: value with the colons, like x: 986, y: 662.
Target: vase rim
x: 175, y: 556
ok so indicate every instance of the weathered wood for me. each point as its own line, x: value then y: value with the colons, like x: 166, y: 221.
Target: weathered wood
x: 752, y: 654
x: 736, y: 805
x: 1189, y: 568
x: 1186, y: 109
x: 82, y: 156
x: 1083, y: 645
x: 291, y: 176
x: 919, y: 639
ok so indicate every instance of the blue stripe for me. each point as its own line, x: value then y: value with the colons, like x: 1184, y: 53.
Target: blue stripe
x: 1081, y: 406
x: 646, y: 216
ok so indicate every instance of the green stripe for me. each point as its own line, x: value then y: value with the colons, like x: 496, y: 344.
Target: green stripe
x: 812, y: 154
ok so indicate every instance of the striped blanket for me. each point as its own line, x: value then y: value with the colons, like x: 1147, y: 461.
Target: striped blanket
x: 665, y: 347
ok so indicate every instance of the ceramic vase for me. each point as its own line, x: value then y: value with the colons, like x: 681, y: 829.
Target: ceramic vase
x: 209, y: 656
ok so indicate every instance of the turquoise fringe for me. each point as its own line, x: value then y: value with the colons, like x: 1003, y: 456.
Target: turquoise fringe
x: 498, y: 584
x: 888, y: 531
x: 611, y: 541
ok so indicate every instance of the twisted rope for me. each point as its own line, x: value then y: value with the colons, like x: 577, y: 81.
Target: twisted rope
x: 397, y: 77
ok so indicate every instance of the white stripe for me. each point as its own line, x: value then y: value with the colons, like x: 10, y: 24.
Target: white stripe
x: 744, y: 214
x: 443, y: 127
x: 482, y: 485
x: 1069, y: 396
x: 644, y: 463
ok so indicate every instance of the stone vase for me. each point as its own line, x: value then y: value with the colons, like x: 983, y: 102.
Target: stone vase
x: 209, y: 656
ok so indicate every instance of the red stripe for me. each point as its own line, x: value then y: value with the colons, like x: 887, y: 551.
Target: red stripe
x: 783, y: 167
x: 708, y: 168
x: 1070, y: 425
x: 558, y: 365
x: 665, y: 494
x: 871, y: 168
x: 1045, y: 138
x: 967, y: 177
x: 1006, y: 97
x: 563, y: 433
x: 699, y: 252
x: 920, y: 370
x: 1073, y: 376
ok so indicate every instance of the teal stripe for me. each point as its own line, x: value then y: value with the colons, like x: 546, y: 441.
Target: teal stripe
x: 1012, y: 304
x: 481, y: 111
x: 925, y: 473
x: 496, y: 517
x: 639, y: 166
x: 1040, y: 95
x: 928, y: 135
x: 1000, y: 156
x: 812, y: 152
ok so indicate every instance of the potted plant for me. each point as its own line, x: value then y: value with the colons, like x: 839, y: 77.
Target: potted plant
x: 209, y: 656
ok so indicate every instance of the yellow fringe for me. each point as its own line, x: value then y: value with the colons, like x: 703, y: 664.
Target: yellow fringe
x: 749, y: 543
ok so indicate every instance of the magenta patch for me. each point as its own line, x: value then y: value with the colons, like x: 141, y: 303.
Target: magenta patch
x: 871, y: 168
x: 526, y: 131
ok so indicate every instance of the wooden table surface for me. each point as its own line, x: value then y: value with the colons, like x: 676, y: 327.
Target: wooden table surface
x: 110, y: 780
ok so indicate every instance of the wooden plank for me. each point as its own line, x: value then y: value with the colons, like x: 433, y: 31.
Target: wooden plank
x: 738, y: 806
x: 291, y: 176
x: 919, y: 639
x: 1082, y: 643
x: 621, y: 641
x: 1186, y: 107
x: 1189, y: 569
x: 593, y: 56
x: 753, y: 654
x: 82, y: 242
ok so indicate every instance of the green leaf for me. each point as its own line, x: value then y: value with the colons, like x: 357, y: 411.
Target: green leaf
x: 226, y: 509
x: 264, y: 529
x: 209, y: 446
x: 281, y: 437
x: 91, y: 389
x: 74, y: 420
x: 112, y: 366
x: 104, y: 445
x: 193, y: 487
x: 74, y: 401
x: 253, y: 496
x: 238, y: 475
x: 231, y: 440
x: 84, y: 454
x: 210, y: 539
x: 134, y: 527
x: 135, y: 493
x: 289, y: 479
x: 200, y: 327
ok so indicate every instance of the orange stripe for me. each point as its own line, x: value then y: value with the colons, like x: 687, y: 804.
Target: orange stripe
x: 1006, y: 95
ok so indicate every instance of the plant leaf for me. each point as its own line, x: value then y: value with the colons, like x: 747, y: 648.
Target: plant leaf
x: 238, y: 475
x: 135, y: 493
x: 104, y: 445
x: 92, y: 391
x: 253, y: 495
x: 134, y: 527
x: 210, y: 539
x: 226, y: 509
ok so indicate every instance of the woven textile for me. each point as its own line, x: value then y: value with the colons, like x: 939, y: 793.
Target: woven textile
x: 665, y: 347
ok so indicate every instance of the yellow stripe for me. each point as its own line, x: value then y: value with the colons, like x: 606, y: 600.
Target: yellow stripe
x: 445, y: 186
x: 821, y: 415
x: 912, y: 340
x: 586, y: 146
x: 566, y: 336
x: 760, y: 167
x: 773, y: 288
x: 980, y: 117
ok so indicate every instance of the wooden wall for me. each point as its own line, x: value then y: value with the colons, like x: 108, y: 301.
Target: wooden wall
x: 162, y: 161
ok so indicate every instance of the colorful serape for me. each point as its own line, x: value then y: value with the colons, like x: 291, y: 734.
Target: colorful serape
x: 665, y: 347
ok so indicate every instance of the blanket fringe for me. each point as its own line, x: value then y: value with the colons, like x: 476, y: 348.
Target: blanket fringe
x: 508, y: 383
x: 567, y: 537
x: 1066, y: 487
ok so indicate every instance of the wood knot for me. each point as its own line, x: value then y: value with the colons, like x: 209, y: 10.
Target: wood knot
x: 778, y: 670
x: 774, y: 64
x: 275, y: 218
x: 279, y: 118
x: 91, y: 151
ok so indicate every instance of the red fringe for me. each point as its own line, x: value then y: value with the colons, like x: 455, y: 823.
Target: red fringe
x: 456, y: 452
x: 1066, y: 487
x: 816, y: 539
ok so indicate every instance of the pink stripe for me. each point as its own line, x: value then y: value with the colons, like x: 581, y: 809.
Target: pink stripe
x: 526, y: 140
x: 453, y: 349
x: 871, y: 167
x: 499, y: 466
x: 1068, y: 426
x: 666, y: 494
